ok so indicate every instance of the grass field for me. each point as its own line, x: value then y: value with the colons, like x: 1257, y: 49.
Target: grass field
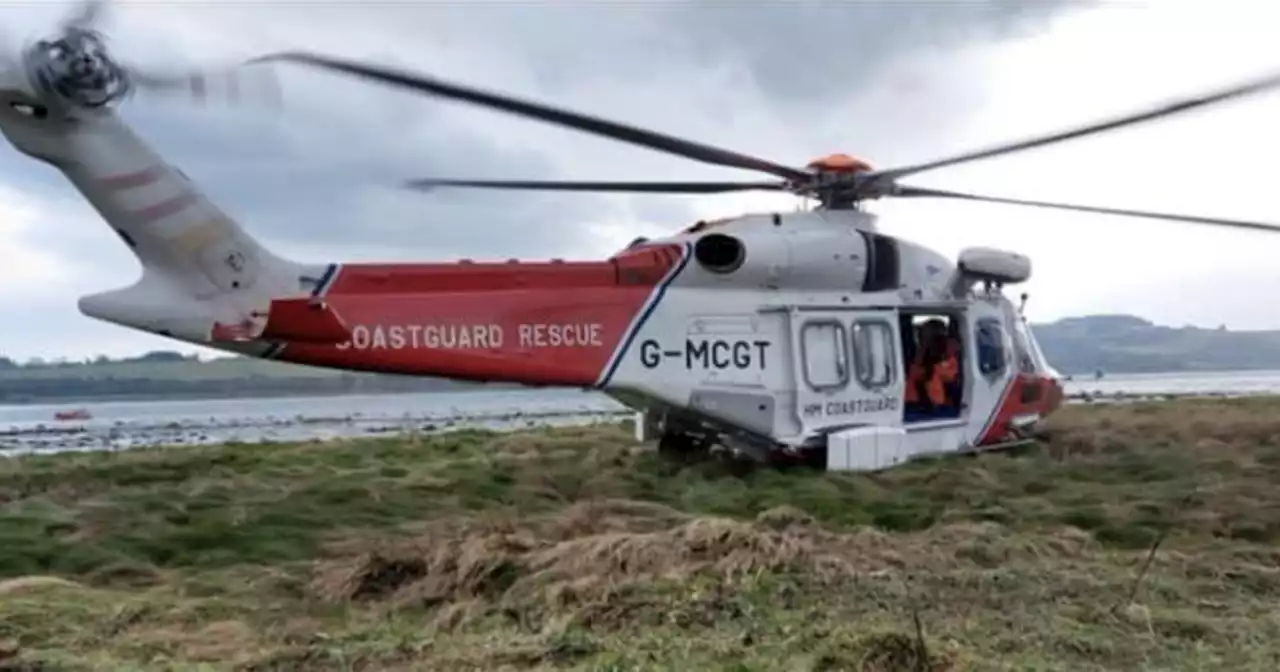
x: 575, y: 548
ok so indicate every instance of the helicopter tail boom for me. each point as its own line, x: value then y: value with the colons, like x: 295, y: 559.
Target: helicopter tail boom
x: 199, y: 268
x: 488, y: 322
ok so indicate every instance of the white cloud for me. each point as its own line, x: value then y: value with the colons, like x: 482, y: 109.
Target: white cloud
x: 38, y: 286
x: 27, y: 268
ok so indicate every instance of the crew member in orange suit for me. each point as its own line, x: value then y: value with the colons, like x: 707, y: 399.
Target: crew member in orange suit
x: 934, y: 367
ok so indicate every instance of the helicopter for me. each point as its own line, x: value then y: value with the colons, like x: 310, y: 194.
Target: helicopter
x: 774, y: 337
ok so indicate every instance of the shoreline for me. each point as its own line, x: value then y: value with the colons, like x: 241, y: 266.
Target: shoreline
x: 56, y: 436
x: 254, y: 395
x: 1080, y: 382
x: 70, y: 437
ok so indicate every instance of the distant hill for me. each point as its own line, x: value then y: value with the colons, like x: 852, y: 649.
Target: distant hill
x: 1128, y: 344
x: 1113, y: 343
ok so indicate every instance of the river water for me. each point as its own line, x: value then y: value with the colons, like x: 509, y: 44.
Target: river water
x: 116, y: 425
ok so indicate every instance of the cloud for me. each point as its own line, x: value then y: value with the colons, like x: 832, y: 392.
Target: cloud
x: 35, y: 276
x: 317, y: 179
x: 18, y: 215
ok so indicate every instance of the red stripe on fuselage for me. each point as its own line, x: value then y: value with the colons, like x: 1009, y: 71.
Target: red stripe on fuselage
x: 554, y: 323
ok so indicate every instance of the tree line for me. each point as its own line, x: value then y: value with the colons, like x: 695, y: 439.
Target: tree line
x: 165, y: 374
x: 63, y: 362
x: 46, y: 390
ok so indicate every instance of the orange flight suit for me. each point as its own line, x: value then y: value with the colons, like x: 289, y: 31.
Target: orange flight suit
x: 944, y: 372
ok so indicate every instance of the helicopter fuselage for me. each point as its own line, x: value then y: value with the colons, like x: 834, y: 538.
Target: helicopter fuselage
x: 775, y: 330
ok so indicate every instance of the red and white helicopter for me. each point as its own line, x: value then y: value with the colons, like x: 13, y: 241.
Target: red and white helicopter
x: 777, y: 335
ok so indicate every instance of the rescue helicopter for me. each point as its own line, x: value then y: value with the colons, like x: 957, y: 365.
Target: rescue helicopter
x: 774, y: 336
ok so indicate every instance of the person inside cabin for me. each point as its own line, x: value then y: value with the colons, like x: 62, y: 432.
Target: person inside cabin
x: 955, y: 387
x: 932, y: 371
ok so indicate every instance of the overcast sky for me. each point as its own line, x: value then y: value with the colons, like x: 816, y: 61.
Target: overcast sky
x: 891, y: 82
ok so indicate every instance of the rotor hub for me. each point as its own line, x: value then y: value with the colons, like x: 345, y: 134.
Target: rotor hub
x: 836, y: 181
x: 839, y: 163
x: 77, y: 69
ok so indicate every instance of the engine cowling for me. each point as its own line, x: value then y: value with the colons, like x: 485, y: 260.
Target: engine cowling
x: 781, y: 257
x: 720, y: 253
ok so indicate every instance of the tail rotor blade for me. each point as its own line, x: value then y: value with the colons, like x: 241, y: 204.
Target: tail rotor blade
x: 232, y: 85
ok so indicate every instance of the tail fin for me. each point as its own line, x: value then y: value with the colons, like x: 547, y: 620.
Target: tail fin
x: 199, y: 268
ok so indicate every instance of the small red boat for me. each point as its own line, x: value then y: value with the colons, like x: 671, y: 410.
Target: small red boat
x: 76, y: 414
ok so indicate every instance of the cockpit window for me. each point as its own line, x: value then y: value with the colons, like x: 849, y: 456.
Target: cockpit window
x: 1037, y: 355
x: 991, y: 342
x: 1022, y: 347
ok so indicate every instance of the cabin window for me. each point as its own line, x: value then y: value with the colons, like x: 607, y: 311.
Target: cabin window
x: 873, y: 353
x: 992, y: 344
x: 826, y: 364
x: 912, y: 327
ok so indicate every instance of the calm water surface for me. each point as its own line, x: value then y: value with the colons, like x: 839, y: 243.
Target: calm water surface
x: 124, y: 424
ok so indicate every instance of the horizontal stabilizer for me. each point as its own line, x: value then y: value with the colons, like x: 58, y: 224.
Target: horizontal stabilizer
x: 304, y: 321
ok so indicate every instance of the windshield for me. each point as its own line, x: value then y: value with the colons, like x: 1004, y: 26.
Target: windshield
x: 1028, y: 339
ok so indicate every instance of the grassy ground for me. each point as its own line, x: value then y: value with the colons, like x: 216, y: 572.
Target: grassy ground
x: 575, y: 548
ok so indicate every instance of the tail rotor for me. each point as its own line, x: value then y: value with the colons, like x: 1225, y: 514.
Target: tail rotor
x: 76, y: 69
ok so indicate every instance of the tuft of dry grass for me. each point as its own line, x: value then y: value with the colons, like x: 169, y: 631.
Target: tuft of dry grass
x: 1139, y: 536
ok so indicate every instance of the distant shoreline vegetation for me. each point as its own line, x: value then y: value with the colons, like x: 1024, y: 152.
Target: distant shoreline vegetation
x: 1079, y: 346
x: 167, y: 375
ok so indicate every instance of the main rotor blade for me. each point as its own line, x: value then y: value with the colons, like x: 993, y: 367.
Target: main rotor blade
x: 582, y: 122
x: 1255, y: 86
x: 920, y: 192
x: 641, y: 187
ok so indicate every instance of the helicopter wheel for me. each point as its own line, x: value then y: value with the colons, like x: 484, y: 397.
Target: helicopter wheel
x: 682, y: 448
x: 808, y: 459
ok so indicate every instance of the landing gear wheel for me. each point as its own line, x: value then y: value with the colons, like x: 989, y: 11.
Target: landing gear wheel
x: 813, y: 459
x: 681, y: 448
